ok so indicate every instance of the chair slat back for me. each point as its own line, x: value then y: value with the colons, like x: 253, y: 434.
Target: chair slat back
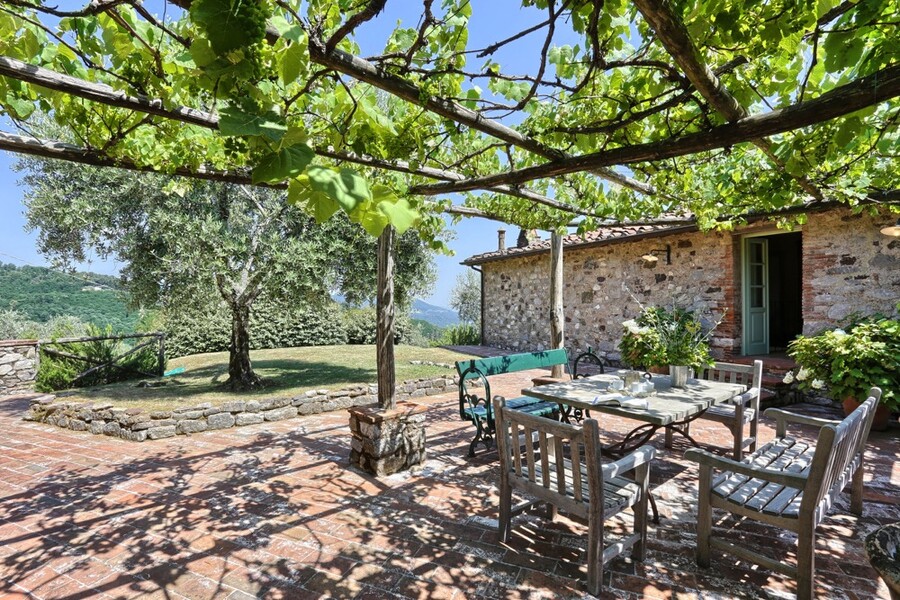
x: 747, y: 375
x: 836, y: 447
x: 552, y: 461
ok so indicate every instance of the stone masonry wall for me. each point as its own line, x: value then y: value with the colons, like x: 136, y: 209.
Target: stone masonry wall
x: 18, y: 366
x: 849, y: 268
x: 138, y: 425
x: 603, y: 286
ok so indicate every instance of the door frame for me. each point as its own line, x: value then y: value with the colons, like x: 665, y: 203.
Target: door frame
x: 765, y: 232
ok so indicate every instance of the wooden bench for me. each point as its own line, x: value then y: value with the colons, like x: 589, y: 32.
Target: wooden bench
x: 563, y: 469
x: 477, y: 409
x: 787, y: 483
x: 739, y: 411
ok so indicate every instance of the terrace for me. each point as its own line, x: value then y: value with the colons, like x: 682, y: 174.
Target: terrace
x: 272, y: 510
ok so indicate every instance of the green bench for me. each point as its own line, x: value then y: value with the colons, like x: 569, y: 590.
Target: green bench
x: 477, y: 409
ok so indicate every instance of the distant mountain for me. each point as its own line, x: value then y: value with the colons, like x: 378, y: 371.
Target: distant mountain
x: 436, y: 315
x: 42, y: 293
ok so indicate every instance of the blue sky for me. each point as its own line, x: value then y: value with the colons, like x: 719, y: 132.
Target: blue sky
x: 491, y: 21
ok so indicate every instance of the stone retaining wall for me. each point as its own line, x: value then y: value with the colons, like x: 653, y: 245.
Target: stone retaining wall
x: 18, y: 366
x: 138, y: 425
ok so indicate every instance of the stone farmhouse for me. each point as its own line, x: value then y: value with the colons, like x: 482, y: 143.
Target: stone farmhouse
x: 769, y: 284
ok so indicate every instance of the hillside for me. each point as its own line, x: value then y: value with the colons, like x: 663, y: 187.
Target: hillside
x: 41, y: 293
x: 436, y: 315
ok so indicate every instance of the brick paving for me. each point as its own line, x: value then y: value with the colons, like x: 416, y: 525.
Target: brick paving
x: 273, y: 511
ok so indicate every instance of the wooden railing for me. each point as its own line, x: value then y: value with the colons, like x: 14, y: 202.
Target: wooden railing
x: 158, y: 338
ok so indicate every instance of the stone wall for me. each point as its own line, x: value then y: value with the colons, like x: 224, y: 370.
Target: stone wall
x: 849, y: 268
x: 138, y: 425
x: 604, y: 285
x: 18, y: 366
x: 848, y: 265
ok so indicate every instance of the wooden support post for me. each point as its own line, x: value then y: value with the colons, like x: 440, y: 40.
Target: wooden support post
x: 384, y: 340
x: 556, y: 298
x: 161, y: 356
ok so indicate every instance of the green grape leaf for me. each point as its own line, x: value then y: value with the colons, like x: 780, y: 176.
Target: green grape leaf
x: 318, y: 204
x: 397, y: 210
x: 345, y: 186
x: 235, y: 122
x: 283, y: 164
x: 293, y: 60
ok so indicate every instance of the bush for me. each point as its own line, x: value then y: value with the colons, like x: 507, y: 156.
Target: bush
x: 208, y: 328
x: 16, y: 325
x: 57, y: 372
x: 360, y: 325
x: 464, y: 334
x: 848, y: 363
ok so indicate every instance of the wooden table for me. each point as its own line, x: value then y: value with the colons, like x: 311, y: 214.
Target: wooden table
x: 668, y: 407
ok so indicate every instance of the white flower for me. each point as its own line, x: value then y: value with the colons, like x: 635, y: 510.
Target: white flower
x: 803, y: 374
x: 789, y: 377
x: 632, y: 327
x: 817, y: 384
x: 839, y: 332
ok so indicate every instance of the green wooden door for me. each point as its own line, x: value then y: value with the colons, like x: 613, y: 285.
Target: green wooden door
x: 756, y: 296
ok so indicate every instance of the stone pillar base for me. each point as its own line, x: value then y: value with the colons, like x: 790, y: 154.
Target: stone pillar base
x: 387, y: 441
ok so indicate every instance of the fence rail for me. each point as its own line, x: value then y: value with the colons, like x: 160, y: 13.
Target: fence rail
x: 159, y: 340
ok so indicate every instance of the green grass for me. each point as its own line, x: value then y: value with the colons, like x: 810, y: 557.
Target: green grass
x: 285, y: 371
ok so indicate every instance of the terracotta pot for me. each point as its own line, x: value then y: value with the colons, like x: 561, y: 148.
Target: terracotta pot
x: 882, y: 414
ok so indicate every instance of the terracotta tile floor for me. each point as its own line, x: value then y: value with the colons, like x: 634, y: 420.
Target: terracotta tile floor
x: 273, y: 511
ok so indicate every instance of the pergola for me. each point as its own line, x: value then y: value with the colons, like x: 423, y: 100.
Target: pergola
x: 660, y: 112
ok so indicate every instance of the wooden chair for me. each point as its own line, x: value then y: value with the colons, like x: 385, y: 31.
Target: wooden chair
x: 786, y: 483
x: 560, y: 464
x: 741, y: 410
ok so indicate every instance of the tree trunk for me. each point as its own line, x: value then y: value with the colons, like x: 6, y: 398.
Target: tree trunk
x: 384, y: 342
x: 557, y: 316
x: 240, y: 371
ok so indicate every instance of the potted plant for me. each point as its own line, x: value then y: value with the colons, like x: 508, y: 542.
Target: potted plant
x: 845, y: 364
x: 659, y: 337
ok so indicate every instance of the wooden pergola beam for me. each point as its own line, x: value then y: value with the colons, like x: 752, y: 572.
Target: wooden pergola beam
x: 107, y: 95
x: 673, y: 35
x: 849, y: 98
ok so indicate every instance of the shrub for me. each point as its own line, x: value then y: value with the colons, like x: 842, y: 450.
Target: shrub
x: 57, y: 372
x: 848, y: 363
x: 360, y: 326
x: 207, y: 328
x: 661, y: 337
x: 463, y: 334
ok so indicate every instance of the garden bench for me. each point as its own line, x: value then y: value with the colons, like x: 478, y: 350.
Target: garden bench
x: 787, y: 483
x: 740, y: 410
x: 563, y: 469
x: 477, y: 409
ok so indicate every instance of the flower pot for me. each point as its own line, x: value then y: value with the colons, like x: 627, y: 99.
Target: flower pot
x: 882, y: 413
x: 679, y: 375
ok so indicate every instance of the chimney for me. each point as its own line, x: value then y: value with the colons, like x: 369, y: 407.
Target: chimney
x: 523, y: 240
x: 501, y: 240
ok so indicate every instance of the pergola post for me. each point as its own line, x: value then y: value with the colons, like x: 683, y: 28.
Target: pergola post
x: 389, y: 438
x: 384, y: 335
x: 557, y: 332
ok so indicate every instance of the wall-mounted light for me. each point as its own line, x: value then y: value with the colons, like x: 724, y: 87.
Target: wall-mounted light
x: 892, y: 230
x: 651, y: 258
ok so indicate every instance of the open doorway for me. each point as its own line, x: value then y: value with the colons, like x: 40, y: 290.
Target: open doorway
x: 772, y: 289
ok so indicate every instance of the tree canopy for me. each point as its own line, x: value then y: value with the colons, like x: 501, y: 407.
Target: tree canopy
x: 704, y: 109
x: 182, y: 242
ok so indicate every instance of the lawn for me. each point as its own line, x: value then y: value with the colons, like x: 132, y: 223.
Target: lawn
x: 285, y: 371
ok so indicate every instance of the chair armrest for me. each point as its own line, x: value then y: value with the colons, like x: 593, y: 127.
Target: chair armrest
x: 642, y: 455
x: 746, y: 396
x: 702, y: 457
x: 782, y: 417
